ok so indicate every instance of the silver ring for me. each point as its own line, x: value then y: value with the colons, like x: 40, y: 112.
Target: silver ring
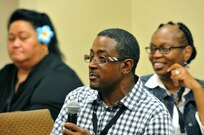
x: 177, y: 72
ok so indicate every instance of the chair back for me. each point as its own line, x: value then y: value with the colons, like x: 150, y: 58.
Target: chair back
x: 34, y: 122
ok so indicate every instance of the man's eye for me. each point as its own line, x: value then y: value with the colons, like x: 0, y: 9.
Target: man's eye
x: 102, y: 58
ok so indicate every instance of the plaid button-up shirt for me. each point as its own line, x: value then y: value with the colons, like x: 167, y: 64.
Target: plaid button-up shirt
x: 145, y: 114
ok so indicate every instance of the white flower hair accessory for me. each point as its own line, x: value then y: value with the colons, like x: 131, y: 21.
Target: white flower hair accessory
x: 44, y: 34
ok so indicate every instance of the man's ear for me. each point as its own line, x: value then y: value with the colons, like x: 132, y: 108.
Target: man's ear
x: 127, y: 66
x: 187, y: 52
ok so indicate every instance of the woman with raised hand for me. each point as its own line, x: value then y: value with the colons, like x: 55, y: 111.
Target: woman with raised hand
x: 170, y: 51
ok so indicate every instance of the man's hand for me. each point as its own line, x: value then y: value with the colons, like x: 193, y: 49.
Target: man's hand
x: 72, y: 129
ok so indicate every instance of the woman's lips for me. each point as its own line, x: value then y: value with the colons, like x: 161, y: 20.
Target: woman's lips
x: 158, y: 65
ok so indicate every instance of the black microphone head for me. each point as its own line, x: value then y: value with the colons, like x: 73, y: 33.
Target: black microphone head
x: 73, y: 107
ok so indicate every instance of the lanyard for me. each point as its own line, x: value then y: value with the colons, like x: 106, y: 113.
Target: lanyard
x: 110, y: 123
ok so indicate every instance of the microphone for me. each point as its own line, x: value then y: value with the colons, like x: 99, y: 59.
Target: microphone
x: 73, y: 109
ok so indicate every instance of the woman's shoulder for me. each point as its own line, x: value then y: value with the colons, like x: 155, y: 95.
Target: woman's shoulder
x: 54, y: 64
x: 10, y: 66
x: 7, y: 69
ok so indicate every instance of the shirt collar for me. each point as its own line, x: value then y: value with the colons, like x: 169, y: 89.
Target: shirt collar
x: 130, y: 100
x: 137, y: 94
x: 154, y: 81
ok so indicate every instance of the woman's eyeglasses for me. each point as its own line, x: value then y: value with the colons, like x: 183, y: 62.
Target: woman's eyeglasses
x: 162, y: 50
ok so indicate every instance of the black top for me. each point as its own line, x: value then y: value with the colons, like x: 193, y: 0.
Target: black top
x: 46, y: 86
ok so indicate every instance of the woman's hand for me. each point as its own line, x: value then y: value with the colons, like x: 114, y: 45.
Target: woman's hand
x: 181, y: 77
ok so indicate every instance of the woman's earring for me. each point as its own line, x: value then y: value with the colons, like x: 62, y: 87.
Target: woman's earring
x: 185, y: 64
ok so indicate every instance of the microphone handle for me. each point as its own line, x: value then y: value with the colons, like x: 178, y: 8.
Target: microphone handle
x: 72, y: 117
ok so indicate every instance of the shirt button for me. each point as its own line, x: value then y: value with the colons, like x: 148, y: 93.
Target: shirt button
x: 190, y: 124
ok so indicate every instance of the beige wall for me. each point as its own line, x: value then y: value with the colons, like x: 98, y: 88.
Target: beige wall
x: 5, y: 10
x: 78, y: 21
x: 148, y: 14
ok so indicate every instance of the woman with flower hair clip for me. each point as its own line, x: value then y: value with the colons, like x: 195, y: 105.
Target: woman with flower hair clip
x: 170, y: 51
x: 37, y: 78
